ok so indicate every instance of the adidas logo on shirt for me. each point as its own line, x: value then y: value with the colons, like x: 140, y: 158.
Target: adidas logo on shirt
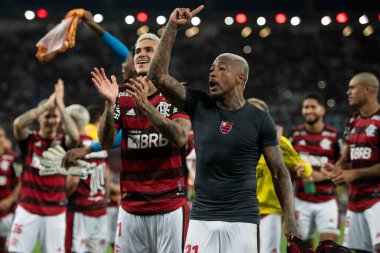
x: 131, y: 112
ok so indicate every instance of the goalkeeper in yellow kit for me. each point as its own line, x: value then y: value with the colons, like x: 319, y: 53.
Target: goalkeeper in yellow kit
x: 270, y: 209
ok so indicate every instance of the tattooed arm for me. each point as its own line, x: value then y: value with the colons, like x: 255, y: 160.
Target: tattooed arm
x: 109, y: 91
x: 158, y: 73
x: 283, y: 187
x: 21, y: 123
x: 176, y: 131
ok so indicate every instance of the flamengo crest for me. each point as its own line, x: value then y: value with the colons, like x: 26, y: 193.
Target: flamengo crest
x: 225, y: 127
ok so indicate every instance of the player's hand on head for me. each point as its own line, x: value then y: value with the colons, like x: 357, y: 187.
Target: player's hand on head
x: 108, y: 89
x: 183, y: 16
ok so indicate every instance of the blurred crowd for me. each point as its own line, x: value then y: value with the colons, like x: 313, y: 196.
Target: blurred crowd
x: 284, y: 66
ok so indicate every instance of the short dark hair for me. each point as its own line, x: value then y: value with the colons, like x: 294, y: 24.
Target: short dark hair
x: 315, y: 96
x: 95, y: 113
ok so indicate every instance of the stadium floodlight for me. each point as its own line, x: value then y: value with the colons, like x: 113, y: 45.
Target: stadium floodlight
x: 29, y: 15
x: 246, y: 32
x: 228, y: 20
x: 247, y: 49
x: 241, y: 18
x: 347, y: 31
x: 261, y: 21
x: 341, y: 17
x: 142, y: 17
x: 195, y: 21
x: 295, y: 21
x: 326, y: 20
x: 98, y: 18
x: 161, y: 20
x: 129, y: 19
x: 368, y: 31
x: 330, y: 102
x: 280, y: 18
x: 363, y: 19
x: 42, y: 13
x: 192, y: 31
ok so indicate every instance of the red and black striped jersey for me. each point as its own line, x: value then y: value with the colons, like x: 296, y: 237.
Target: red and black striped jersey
x: 9, y: 176
x: 41, y: 195
x: 151, y: 177
x: 317, y: 149
x: 90, y: 195
x: 362, y: 136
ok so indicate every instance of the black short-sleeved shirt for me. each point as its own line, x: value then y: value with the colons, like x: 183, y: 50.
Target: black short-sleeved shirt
x: 228, y: 145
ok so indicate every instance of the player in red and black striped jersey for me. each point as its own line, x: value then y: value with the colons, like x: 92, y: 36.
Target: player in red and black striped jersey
x: 10, y: 185
x: 86, y: 227
x: 153, y: 213
x: 359, y: 165
x: 318, y: 144
x: 42, y: 203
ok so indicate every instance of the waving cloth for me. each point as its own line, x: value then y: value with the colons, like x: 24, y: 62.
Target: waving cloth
x: 61, y: 38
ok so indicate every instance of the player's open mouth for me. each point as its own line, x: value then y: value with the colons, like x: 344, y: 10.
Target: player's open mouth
x: 212, y: 83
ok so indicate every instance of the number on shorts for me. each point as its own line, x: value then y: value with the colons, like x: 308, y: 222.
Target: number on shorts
x: 191, y: 249
x: 119, y: 228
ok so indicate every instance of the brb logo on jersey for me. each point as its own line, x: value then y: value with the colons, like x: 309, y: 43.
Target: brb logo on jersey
x: 225, y: 127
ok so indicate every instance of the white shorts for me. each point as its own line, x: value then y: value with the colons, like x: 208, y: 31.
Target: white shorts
x: 362, y: 231
x: 324, y: 217
x: 28, y: 227
x: 160, y: 233
x: 5, y: 225
x: 86, y: 233
x: 112, y: 222
x: 221, y: 237
x: 270, y: 233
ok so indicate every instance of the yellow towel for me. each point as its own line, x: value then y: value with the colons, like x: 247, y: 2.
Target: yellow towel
x: 61, y: 38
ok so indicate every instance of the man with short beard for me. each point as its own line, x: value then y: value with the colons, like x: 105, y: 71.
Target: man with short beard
x: 318, y: 144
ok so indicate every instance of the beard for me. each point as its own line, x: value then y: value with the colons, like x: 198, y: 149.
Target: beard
x: 312, y: 121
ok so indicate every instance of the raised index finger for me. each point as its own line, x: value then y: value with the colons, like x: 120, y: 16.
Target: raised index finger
x: 197, y: 10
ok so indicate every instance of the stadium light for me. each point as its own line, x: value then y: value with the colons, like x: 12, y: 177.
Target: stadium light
x: 192, y: 31
x: 368, y: 31
x: 161, y: 20
x: 341, y: 17
x: 241, y: 18
x: 347, y: 31
x: 246, y: 32
x: 280, y: 18
x: 228, y: 20
x: 261, y: 21
x: 142, y: 30
x: 129, y: 19
x: 142, y: 17
x: 247, y: 49
x: 330, y: 102
x: 295, y: 21
x: 363, y: 19
x: 195, y: 21
x: 265, y: 32
x: 326, y: 20
x: 29, y: 15
x: 42, y: 13
x: 98, y: 18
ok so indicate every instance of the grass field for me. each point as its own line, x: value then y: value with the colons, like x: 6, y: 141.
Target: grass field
x: 283, y: 243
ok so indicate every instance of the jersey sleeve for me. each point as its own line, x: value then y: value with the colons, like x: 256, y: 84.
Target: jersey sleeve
x: 292, y: 158
x: 268, y: 134
x: 117, y: 115
x: 118, y: 50
x: 177, y: 113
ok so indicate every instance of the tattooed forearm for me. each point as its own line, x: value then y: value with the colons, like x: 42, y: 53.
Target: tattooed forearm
x: 159, y: 68
x: 21, y: 123
x: 281, y: 182
x: 176, y: 131
x: 107, y: 131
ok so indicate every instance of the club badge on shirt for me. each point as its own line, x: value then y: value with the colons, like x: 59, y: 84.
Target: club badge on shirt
x: 225, y: 127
